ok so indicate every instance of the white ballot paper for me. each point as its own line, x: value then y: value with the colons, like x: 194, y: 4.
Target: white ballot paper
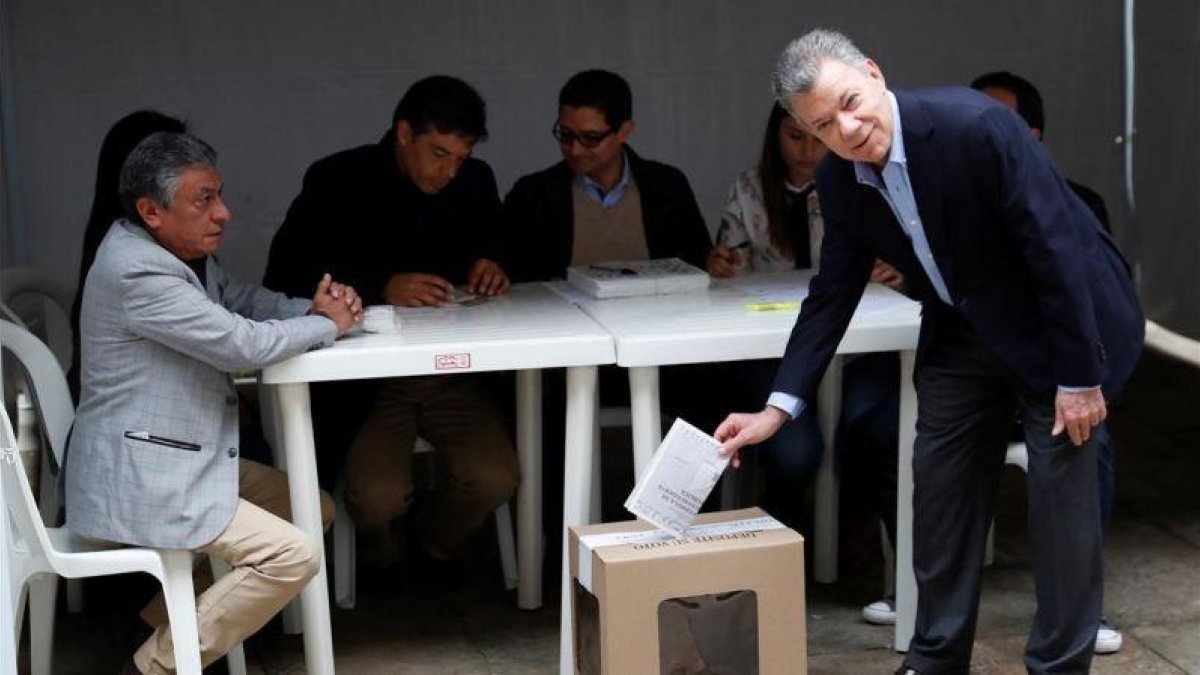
x: 683, y: 471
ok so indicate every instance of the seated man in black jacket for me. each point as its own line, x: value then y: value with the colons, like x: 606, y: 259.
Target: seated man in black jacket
x: 603, y: 201
x: 407, y: 218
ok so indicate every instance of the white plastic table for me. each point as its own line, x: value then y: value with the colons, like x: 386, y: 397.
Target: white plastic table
x: 529, y: 329
x: 716, y: 325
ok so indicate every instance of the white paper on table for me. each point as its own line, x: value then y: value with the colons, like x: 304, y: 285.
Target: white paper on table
x: 768, y: 291
x: 779, y: 289
x: 464, y: 298
x: 684, y: 470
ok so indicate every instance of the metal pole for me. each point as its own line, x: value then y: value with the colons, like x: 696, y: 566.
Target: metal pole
x: 1127, y: 138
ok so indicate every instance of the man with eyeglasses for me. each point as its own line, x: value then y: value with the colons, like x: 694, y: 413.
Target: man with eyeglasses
x: 407, y: 218
x: 603, y: 201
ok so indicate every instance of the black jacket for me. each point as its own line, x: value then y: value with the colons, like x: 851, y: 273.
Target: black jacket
x: 540, y: 220
x: 361, y: 219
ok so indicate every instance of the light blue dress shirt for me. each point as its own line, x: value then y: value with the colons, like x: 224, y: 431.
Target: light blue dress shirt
x: 893, y: 183
x: 607, y: 198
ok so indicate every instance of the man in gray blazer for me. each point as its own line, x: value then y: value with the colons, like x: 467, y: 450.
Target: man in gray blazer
x: 153, y: 458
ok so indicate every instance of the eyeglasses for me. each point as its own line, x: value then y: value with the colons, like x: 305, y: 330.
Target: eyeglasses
x: 588, y: 139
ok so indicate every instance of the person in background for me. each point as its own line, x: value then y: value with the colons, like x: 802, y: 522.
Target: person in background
x: 405, y: 220
x: 772, y: 222
x: 1020, y: 95
x: 603, y: 201
x: 106, y: 204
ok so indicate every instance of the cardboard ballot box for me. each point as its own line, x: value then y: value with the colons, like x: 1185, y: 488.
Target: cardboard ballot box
x: 727, y: 599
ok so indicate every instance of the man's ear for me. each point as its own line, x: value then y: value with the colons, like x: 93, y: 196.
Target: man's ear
x: 874, y: 72
x: 1037, y: 133
x: 625, y: 131
x: 150, y: 211
x: 404, y: 132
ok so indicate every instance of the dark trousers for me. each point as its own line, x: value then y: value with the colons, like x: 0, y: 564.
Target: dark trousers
x: 966, y: 396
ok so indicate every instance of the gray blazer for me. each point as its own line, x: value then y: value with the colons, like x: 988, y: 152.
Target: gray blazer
x: 153, y: 456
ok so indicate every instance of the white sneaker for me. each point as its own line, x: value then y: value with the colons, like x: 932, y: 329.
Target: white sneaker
x: 880, y: 612
x: 1108, y: 639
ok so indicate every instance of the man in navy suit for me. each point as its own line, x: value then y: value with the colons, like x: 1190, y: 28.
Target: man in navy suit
x: 1027, y: 306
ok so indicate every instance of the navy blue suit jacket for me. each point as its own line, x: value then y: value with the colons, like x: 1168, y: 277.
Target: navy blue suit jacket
x: 1026, y: 262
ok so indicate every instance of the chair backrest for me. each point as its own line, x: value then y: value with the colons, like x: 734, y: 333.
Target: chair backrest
x: 41, y: 304
x: 18, y: 497
x: 47, y: 385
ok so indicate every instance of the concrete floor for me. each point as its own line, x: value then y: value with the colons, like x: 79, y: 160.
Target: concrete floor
x: 1153, y: 582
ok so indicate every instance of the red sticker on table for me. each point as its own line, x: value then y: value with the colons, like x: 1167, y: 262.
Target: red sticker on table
x: 451, y: 361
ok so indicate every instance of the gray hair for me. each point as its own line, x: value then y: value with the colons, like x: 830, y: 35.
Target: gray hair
x: 800, y: 63
x: 154, y: 167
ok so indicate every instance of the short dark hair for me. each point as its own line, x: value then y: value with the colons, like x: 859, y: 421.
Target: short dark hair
x: 605, y: 91
x: 446, y: 104
x: 155, y: 165
x: 1029, y: 100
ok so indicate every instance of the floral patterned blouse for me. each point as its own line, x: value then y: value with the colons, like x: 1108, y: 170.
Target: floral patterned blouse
x: 744, y: 225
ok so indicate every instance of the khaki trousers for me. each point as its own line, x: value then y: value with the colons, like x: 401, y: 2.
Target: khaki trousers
x: 272, y: 560
x: 455, y: 414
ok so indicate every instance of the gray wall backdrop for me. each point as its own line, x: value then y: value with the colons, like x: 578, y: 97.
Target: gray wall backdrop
x: 1167, y: 177
x: 276, y: 85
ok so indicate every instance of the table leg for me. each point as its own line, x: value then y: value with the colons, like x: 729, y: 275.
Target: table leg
x: 295, y: 412
x: 825, y: 516
x: 645, y: 415
x: 577, y: 486
x: 906, y: 581
x: 597, y: 449
x: 272, y: 422
x: 529, y: 495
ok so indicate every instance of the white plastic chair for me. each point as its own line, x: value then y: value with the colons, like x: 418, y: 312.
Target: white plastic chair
x: 46, y: 385
x: 48, y: 388
x: 345, y: 545
x: 35, y: 553
x: 1017, y: 455
x: 41, y: 304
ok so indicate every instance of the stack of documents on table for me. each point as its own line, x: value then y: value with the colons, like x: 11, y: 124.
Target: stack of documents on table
x: 683, y: 472
x: 629, y: 278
